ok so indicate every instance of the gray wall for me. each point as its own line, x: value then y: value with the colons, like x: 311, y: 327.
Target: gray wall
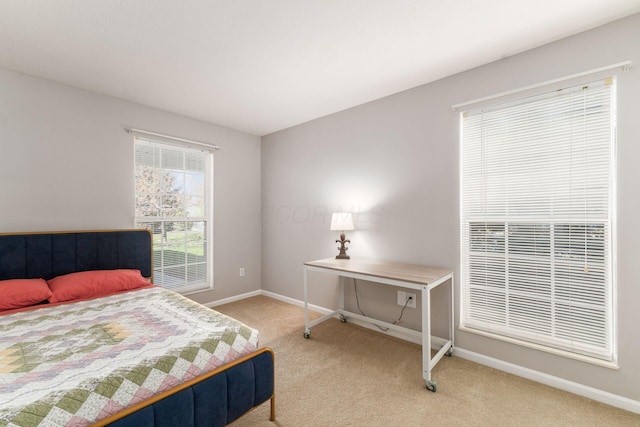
x: 395, y: 161
x: 66, y: 163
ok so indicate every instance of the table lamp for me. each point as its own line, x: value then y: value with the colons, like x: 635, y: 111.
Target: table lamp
x: 342, y: 221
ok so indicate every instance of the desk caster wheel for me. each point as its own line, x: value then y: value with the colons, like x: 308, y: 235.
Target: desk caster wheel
x: 306, y: 334
x: 432, y: 386
x: 449, y: 353
x: 343, y: 319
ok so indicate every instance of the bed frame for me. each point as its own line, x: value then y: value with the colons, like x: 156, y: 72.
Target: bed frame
x: 216, y: 398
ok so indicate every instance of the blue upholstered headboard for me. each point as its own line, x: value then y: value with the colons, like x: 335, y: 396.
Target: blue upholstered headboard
x: 47, y: 255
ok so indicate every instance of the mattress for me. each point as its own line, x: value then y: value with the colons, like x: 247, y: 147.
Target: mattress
x: 77, y: 363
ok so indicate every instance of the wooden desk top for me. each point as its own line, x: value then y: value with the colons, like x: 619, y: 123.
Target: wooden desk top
x: 387, y: 270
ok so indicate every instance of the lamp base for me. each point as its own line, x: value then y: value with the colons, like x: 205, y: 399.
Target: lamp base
x: 342, y: 248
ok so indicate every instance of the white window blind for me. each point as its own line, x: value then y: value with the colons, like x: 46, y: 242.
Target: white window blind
x: 173, y: 187
x: 536, y: 220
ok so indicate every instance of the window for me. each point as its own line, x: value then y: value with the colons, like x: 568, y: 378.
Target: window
x: 173, y: 188
x: 537, y: 188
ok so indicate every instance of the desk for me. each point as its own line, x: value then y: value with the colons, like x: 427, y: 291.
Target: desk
x: 409, y: 276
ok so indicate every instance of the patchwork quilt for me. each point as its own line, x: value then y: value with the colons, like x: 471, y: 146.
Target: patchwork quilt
x: 73, y: 364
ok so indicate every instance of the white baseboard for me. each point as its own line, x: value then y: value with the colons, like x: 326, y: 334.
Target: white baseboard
x: 437, y: 342
x: 550, y: 380
x: 233, y: 299
x: 296, y: 302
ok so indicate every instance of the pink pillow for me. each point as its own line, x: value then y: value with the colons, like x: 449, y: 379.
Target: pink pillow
x: 18, y: 293
x: 91, y: 284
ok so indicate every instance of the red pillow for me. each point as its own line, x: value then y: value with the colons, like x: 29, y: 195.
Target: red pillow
x: 90, y: 284
x: 18, y: 293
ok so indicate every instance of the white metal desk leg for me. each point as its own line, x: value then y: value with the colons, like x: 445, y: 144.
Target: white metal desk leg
x: 452, y: 324
x: 341, y: 282
x: 307, y: 331
x: 426, y: 339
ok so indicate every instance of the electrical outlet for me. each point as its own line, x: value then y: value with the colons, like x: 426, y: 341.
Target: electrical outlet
x: 242, y: 272
x: 412, y: 301
x: 402, y: 299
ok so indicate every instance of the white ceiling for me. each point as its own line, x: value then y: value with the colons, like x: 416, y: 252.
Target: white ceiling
x: 264, y: 65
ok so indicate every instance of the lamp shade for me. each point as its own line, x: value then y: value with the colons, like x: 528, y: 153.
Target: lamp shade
x: 341, y: 221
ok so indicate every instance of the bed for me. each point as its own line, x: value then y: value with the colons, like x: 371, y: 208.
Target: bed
x: 106, y: 347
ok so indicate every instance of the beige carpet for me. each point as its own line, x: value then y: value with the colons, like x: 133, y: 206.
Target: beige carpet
x: 346, y: 375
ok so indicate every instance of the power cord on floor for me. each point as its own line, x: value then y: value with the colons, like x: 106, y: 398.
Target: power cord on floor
x: 395, y: 322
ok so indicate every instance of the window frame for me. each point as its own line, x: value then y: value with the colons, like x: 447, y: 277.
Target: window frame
x: 609, y: 240
x: 207, y: 218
